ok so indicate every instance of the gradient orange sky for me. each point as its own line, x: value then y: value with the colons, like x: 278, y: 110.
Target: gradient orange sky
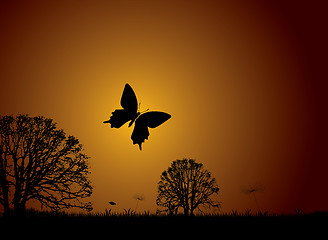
x: 244, y: 81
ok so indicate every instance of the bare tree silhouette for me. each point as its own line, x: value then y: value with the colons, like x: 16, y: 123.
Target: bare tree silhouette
x: 187, y: 185
x: 38, y: 161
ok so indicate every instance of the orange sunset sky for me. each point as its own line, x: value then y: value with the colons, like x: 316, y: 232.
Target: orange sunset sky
x: 244, y: 81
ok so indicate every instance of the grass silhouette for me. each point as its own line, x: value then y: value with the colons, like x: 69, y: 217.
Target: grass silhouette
x: 129, y: 213
x: 130, y: 222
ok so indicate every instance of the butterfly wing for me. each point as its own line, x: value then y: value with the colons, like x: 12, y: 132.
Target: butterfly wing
x: 129, y: 112
x: 119, y: 118
x: 129, y: 100
x: 150, y: 119
x: 154, y: 119
x: 140, y: 133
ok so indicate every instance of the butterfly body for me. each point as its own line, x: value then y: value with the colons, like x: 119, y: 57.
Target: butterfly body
x: 130, y: 113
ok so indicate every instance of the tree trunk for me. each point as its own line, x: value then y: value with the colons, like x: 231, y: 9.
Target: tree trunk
x: 19, y: 209
x: 6, y: 210
x: 186, y: 211
x: 191, y: 212
x: 5, y: 193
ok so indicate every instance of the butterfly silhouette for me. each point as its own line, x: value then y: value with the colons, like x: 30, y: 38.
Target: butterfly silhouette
x: 142, y: 121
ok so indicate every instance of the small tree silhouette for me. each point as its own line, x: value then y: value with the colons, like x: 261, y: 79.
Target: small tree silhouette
x: 185, y: 184
x: 38, y: 161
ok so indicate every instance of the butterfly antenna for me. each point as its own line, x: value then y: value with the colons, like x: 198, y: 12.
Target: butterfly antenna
x: 145, y: 110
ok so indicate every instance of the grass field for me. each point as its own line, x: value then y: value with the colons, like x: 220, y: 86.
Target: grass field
x: 131, y: 215
x: 134, y: 225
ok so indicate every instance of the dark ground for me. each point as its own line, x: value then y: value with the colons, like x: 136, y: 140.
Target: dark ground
x: 315, y: 224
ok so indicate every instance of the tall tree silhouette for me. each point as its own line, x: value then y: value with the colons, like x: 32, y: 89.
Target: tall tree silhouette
x: 38, y: 161
x: 187, y: 185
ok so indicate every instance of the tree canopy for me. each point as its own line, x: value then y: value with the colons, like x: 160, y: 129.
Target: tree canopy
x: 187, y: 185
x: 39, y: 162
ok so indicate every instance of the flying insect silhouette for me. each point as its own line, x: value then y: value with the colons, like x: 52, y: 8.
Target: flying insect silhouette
x: 130, y: 112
